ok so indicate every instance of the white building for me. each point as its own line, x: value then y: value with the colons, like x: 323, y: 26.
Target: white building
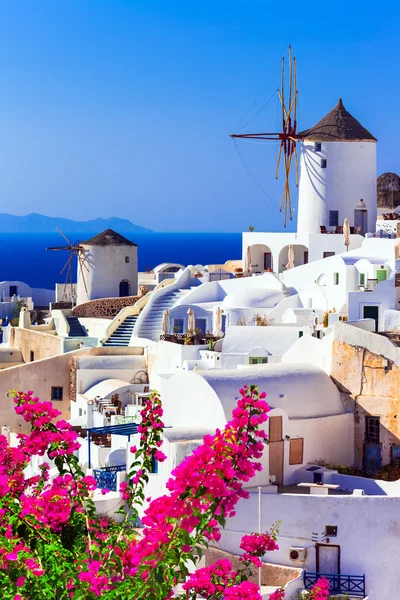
x: 337, y: 172
x: 108, y: 267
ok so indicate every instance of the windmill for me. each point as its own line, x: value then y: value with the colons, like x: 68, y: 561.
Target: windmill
x: 287, y: 137
x: 73, y: 249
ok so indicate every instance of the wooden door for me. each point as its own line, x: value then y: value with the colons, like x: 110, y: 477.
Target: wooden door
x: 328, y: 559
x: 276, y: 446
x: 276, y: 460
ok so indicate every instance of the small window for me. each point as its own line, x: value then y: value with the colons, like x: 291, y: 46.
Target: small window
x: 80, y: 412
x: 372, y: 426
x: 362, y: 278
x: 317, y: 146
x: 56, y: 393
x: 336, y: 279
x: 154, y: 465
x: 333, y: 218
x: 323, y: 163
x: 32, y: 356
x: 127, y: 259
x: 200, y: 325
x: 178, y: 326
x: 296, y: 451
x: 330, y: 531
x: 328, y: 254
x: 301, y: 333
x: 258, y: 360
x: 395, y: 452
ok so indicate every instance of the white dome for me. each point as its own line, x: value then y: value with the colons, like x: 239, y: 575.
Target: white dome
x: 253, y: 298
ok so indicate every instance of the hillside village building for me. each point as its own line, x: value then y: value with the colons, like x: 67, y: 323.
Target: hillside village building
x: 312, y: 318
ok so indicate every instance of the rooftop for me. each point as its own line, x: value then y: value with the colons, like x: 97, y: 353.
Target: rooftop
x: 109, y: 237
x: 338, y: 125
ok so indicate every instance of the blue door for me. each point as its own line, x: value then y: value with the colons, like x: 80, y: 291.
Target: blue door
x: 372, y: 457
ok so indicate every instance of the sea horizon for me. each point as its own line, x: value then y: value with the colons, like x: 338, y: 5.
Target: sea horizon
x: 24, y: 256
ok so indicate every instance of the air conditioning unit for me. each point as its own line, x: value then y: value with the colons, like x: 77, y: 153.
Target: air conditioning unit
x: 297, y: 554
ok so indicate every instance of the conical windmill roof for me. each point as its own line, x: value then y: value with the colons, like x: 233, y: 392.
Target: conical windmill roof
x: 109, y: 237
x: 337, y: 126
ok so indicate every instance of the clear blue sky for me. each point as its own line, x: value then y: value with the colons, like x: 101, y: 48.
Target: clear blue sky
x: 123, y: 108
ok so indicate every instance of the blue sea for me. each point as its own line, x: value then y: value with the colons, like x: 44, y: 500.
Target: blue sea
x: 23, y: 257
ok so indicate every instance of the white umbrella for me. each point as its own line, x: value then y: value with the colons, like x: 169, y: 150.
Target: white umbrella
x: 165, y: 325
x: 290, y: 263
x: 346, y: 233
x: 217, y: 325
x: 191, y: 323
x: 247, y: 261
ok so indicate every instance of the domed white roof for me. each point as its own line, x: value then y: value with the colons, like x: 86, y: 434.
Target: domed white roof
x: 253, y: 298
x: 301, y: 390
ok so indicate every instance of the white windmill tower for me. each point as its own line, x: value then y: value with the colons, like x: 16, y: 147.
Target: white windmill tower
x: 111, y: 267
x: 337, y: 174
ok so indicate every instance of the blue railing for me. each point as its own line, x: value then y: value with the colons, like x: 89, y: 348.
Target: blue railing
x: 106, y: 477
x: 338, y: 584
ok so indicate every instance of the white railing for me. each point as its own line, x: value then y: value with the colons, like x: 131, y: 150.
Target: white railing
x: 182, y: 280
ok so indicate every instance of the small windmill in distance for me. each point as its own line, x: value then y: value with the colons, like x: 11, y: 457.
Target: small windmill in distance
x: 73, y: 249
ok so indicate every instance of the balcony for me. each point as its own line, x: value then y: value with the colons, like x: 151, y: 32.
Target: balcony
x: 352, y: 585
x: 106, y: 477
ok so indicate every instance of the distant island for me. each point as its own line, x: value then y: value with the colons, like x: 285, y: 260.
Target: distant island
x: 35, y: 223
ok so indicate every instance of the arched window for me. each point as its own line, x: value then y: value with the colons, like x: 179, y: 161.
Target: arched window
x: 124, y: 288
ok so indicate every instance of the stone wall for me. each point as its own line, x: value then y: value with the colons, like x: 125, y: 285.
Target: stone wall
x: 42, y: 344
x: 370, y: 386
x: 106, y: 308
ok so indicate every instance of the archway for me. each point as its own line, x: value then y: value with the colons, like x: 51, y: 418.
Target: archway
x: 124, y: 288
x: 300, y: 256
x: 261, y: 258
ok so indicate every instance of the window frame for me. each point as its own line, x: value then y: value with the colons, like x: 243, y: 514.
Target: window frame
x: 127, y: 259
x: 174, y: 325
x: 317, y: 146
x: 261, y: 360
x: 154, y: 466
x: 336, y: 278
x: 57, y: 387
x: 292, y: 452
x: 333, y: 218
x: 361, y: 279
x: 328, y: 254
x: 372, y: 429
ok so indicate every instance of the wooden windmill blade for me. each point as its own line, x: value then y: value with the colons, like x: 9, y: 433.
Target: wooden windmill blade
x: 287, y: 137
x: 81, y: 262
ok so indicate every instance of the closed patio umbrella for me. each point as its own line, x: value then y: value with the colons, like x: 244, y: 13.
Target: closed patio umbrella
x: 346, y: 233
x: 165, y: 325
x: 247, y: 261
x: 290, y: 263
x: 191, y: 322
x: 217, y: 325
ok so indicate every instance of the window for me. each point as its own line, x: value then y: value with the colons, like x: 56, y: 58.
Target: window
x: 178, y: 326
x: 395, y: 452
x: 372, y: 425
x: 154, y: 465
x: 328, y: 254
x: 317, y: 146
x: 301, y: 333
x: 32, y: 356
x: 127, y: 259
x: 296, y: 451
x: 362, y: 278
x: 201, y: 325
x: 267, y: 261
x: 333, y: 218
x: 13, y: 290
x: 323, y: 163
x: 336, y: 279
x: 330, y: 531
x: 56, y: 393
x: 381, y: 275
x: 258, y: 360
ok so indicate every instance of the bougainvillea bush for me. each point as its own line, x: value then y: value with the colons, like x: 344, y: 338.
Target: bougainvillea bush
x: 55, y: 546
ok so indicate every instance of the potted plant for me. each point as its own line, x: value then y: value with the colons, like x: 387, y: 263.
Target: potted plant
x: 198, y: 275
x: 188, y: 341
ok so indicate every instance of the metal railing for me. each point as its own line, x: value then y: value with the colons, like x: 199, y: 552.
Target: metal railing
x: 201, y: 339
x: 354, y: 585
x: 106, y: 477
x: 122, y: 419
